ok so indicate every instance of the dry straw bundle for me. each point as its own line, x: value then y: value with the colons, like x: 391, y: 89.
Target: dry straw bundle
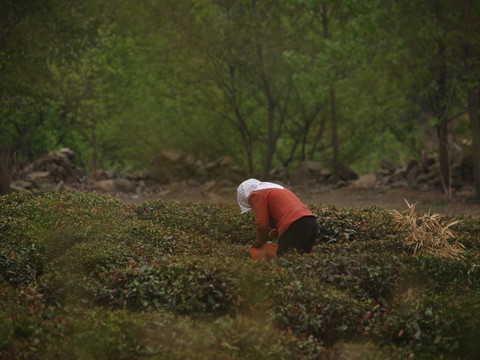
x: 427, y: 233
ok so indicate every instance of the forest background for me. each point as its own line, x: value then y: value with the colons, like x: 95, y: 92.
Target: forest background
x: 268, y: 83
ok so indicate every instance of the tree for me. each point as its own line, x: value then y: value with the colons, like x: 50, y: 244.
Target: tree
x: 33, y: 34
x: 470, y: 52
x: 242, y: 78
x: 439, y: 46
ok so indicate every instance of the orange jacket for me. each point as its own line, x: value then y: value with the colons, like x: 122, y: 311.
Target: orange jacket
x: 275, y: 208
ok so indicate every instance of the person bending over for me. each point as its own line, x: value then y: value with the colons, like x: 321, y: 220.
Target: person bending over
x: 278, y: 214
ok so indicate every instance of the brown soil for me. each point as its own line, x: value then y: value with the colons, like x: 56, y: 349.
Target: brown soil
x: 425, y: 200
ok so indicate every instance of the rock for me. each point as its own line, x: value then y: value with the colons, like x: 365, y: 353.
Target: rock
x: 389, y: 165
x: 309, y: 172
x: 201, y: 174
x: 346, y: 174
x: 302, y: 176
x: 385, y: 180
x: 174, y: 187
x: 193, y: 182
x: 59, y: 164
x: 38, y: 176
x: 190, y: 164
x: 18, y: 185
x: 279, y: 174
x: 112, y: 185
x: 412, y: 175
x: 368, y: 181
x: 124, y: 185
x: 207, y: 187
x: 422, y: 178
x: 167, y: 167
x: 170, y: 166
x: 225, y: 169
x: 136, y: 175
x: 412, y: 164
x: 104, y: 185
x: 399, y: 174
x: 429, y: 159
x: 225, y: 161
x: 69, y: 153
x: 341, y: 184
x: 60, y: 186
x: 100, y: 174
x: 412, y: 170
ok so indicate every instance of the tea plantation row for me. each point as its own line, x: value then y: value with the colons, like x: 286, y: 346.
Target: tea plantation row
x: 84, y: 276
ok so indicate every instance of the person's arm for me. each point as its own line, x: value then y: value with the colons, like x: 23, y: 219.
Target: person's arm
x: 258, y: 202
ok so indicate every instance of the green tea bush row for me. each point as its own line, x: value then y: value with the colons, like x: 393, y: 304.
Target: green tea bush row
x: 86, y: 276
x: 186, y: 285
x: 219, y: 222
x: 343, y: 225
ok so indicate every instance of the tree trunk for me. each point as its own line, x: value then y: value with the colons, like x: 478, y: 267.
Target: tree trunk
x: 240, y: 122
x: 443, y: 151
x: 94, y: 144
x: 4, y: 181
x: 473, y: 100
x: 333, y: 107
x: 442, y: 128
x: 271, y: 105
x: 271, y: 141
x: 473, y: 92
x: 335, y: 146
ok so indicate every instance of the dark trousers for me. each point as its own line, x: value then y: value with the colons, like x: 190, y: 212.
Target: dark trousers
x: 300, y: 236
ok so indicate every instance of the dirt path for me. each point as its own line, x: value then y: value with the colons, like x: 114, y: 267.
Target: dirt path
x: 428, y: 200
x: 431, y: 200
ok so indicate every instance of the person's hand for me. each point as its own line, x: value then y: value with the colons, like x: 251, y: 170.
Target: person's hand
x: 257, y: 245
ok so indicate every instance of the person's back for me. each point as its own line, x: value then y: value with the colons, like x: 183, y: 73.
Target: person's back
x: 277, y: 208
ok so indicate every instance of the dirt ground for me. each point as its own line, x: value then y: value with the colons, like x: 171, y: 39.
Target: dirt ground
x: 425, y: 200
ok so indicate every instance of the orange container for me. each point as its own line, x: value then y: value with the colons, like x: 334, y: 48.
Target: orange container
x: 266, y: 252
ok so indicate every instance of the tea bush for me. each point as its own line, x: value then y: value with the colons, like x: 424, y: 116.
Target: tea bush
x: 219, y: 222
x: 186, y: 285
x: 38, y: 227
x: 307, y: 307
x: 86, y: 276
x: 339, y: 226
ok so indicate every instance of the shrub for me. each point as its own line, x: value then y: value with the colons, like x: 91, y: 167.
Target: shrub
x: 220, y: 222
x: 186, y: 285
x: 39, y: 227
x: 86, y: 276
x: 343, y: 225
x: 304, y: 304
x: 29, y: 329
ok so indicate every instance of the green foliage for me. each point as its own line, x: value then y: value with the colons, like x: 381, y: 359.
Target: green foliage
x: 123, y: 80
x: 306, y: 306
x: 215, y: 221
x: 86, y: 276
x: 186, y: 285
x: 338, y: 226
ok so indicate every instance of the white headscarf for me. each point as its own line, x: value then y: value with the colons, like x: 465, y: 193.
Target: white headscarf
x: 246, y: 188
